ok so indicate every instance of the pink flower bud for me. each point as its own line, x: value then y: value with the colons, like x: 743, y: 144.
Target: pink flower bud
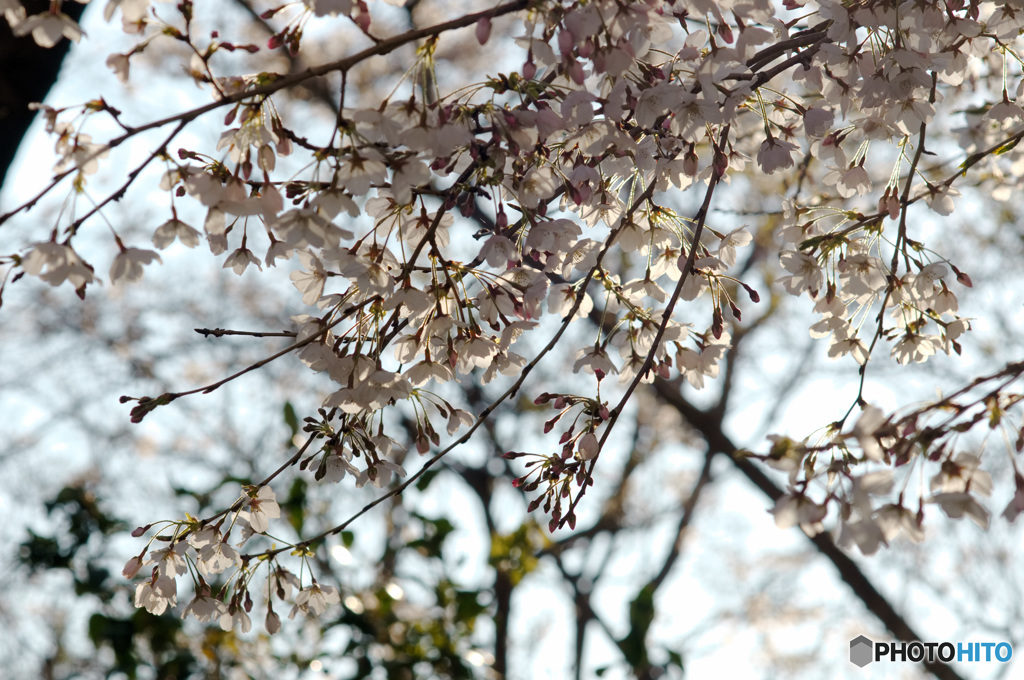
x: 273, y: 622
x: 725, y: 30
x: 483, y: 30
x: 575, y: 71
x: 589, y: 447
x: 565, y: 42
x: 132, y: 567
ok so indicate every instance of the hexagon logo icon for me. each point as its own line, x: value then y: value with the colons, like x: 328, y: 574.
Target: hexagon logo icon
x: 861, y: 651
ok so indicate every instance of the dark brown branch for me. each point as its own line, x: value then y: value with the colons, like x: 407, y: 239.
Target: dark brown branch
x: 221, y: 332
x: 876, y: 602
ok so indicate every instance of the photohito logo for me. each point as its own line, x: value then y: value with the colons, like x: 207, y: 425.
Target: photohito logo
x: 863, y: 651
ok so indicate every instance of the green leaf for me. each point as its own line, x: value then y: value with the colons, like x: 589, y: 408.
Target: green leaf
x: 290, y: 419
x: 1003, y: 148
x: 641, y: 616
x: 425, y: 479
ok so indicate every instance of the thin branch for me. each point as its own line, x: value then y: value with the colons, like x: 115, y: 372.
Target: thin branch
x: 684, y: 522
x: 221, y: 332
x: 666, y: 317
x: 380, y: 49
x: 848, y: 570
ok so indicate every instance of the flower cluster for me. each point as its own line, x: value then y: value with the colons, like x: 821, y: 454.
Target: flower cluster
x: 203, y: 550
x: 855, y: 471
x: 430, y: 231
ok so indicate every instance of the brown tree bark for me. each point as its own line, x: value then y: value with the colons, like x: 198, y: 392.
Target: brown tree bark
x: 27, y: 72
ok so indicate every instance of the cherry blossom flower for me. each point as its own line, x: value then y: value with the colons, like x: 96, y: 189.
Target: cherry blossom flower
x: 776, y: 154
x: 409, y: 173
x: 129, y: 263
x: 217, y: 556
x: 235, y: 618
x: 793, y: 509
x: 563, y: 296
x: 262, y: 508
x: 361, y: 170
x: 818, y: 121
x: 926, y: 279
x: 940, y: 199
x: 506, y: 363
x: 457, y: 419
x: 157, y: 594
x: 338, y: 464
x: 861, y: 277
x: 78, y: 151
x: 896, y: 520
x: 474, y: 351
x: 866, y: 429
x: 281, y: 583
x: 962, y: 504
x: 169, y: 561
x: 1016, y: 505
x: 736, y: 238
x: 56, y: 263
x: 205, y: 608
x: 592, y: 360
x: 961, y: 474
x: 305, y: 227
x: 425, y: 371
x: 278, y: 250
x: 915, y: 347
x: 332, y: 202
x: 805, y: 274
x: 48, y: 27
x: 240, y: 259
x: 498, y: 251
x: 843, y: 344
x: 865, y: 533
x: 133, y: 13
x: 120, y: 65
x: 174, y: 229
x: 379, y: 474
x: 311, y: 279
x: 314, y: 599
x: 853, y: 182
x: 538, y: 184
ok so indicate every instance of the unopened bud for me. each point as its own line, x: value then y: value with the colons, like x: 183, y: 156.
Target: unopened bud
x: 483, y: 30
x: 273, y: 622
x: 529, y: 70
x: 132, y: 567
x: 589, y: 447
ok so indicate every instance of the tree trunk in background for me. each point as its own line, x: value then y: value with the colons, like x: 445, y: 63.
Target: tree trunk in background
x: 27, y: 72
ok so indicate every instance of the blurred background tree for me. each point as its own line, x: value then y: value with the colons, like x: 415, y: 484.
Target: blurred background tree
x: 674, y: 568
